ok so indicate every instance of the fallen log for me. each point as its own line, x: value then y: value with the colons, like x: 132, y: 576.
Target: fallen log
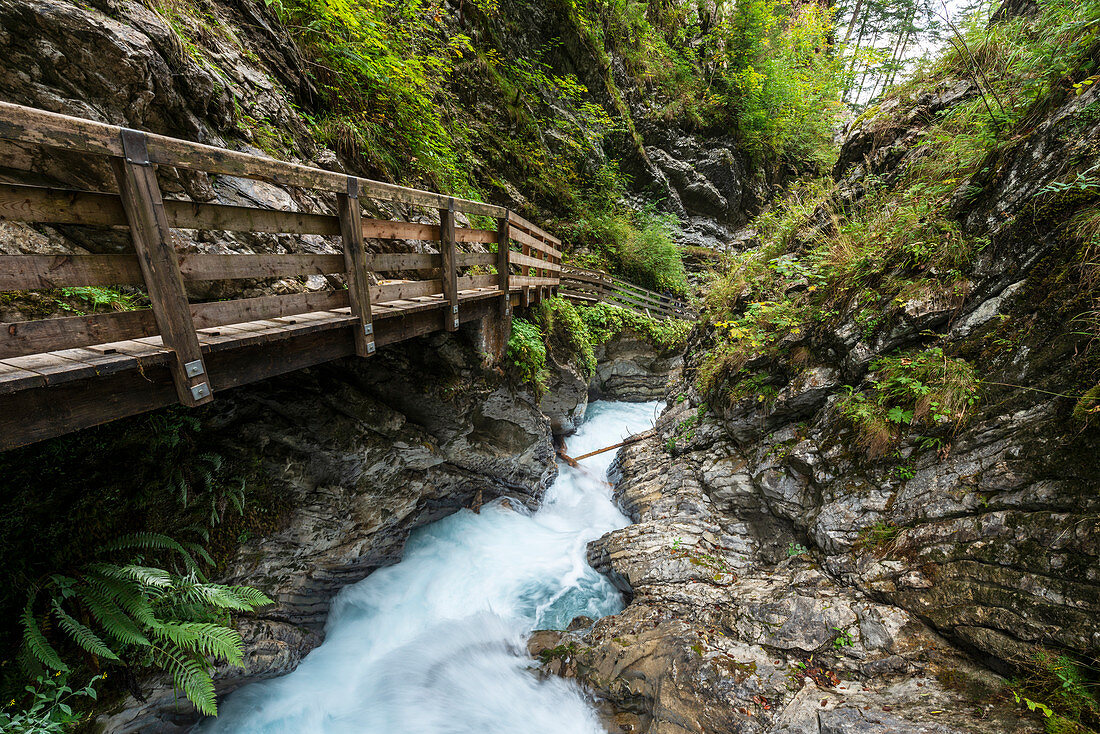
x: 572, y: 461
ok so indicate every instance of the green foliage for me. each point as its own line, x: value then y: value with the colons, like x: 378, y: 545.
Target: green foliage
x: 96, y: 299
x: 637, y: 246
x: 565, y: 333
x: 1061, y: 690
x: 605, y: 322
x: 49, y: 707
x: 109, y: 610
x: 843, y: 638
x: 877, y: 537
x: 527, y: 353
x: 925, y: 388
x: 796, y: 549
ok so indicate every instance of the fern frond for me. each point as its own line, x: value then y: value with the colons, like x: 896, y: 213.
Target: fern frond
x: 156, y: 578
x: 153, y: 541
x: 214, y: 595
x: 201, y: 552
x: 132, y: 597
x: 254, y: 598
x: 36, y: 642
x: 114, y: 620
x: 190, y: 675
x: 82, y: 634
x: 204, y: 638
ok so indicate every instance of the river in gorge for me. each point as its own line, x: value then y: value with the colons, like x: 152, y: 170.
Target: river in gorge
x: 436, y: 644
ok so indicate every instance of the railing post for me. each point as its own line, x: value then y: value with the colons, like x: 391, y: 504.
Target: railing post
x: 450, y: 270
x: 355, y: 262
x: 504, y: 245
x: 156, y: 254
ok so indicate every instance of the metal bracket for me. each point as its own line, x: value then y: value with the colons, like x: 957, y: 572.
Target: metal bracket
x: 370, y: 347
x: 193, y: 369
x: 134, y: 147
x: 456, y: 323
x: 353, y: 187
x: 507, y: 310
x: 454, y: 309
x: 200, y: 391
x: 368, y: 329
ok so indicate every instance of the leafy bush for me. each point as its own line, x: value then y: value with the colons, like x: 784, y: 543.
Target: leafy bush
x: 605, y: 321
x: 174, y: 619
x: 527, y: 353
x: 912, y: 389
x: 637, y: 247
x: 565, y: 333
x: 51, y: 706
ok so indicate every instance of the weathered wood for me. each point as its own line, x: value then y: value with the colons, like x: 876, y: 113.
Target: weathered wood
x: 504, y: 267
x: 156, y: 255
x: 221, y: 313
x: 404, y: 261
x: 60, y: 206
x: 195, y: 215
x: 228, y: 267
x: 29, y: 272
x: 405, y: 289
x: 475, y: 281
x: 355, y: 257
x: 468, y: 259
x: 526, y: 281
x: 47, y: 335
x: 521, y: 259
x: 450, y: 266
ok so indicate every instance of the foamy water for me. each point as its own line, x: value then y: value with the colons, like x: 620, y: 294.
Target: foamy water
x: 436, y: 643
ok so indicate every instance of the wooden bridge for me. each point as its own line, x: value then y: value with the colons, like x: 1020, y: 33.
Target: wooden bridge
x: 59, y: 375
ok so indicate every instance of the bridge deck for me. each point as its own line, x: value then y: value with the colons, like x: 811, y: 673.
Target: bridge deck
x: 59, y: 375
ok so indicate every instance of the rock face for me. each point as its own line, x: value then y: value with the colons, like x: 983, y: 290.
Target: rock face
x: 735, y: 626
x: 362, y: 452
x: 630, y: 368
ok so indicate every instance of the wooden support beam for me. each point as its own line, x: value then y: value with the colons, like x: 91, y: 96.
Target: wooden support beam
x: 355, y: 257
x: 152, y: 237
x: 450, y: 266
x: 504, y: 266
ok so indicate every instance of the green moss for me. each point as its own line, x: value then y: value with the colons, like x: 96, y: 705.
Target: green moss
x: 606, y: 322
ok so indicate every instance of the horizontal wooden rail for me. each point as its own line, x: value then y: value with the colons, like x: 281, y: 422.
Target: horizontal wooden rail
x: 594, y: 286
x: 409, y: 293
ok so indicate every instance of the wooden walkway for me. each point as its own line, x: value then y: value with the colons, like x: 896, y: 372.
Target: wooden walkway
x: 62, y: 374
x: 595, y: 286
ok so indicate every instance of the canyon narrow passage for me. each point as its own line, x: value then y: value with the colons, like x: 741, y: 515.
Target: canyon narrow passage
x: 435, y: 643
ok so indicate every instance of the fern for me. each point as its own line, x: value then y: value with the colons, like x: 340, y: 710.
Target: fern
x: 36, y: 643
x: 136, y: 607
x: 82, y: 634
x: 189, y: 674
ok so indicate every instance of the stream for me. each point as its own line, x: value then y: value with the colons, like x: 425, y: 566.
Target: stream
x: 436, y: 644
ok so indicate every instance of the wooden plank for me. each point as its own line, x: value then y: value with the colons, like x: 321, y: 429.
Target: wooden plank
x: 468, y: 259
x: 520, y: 258
x: 156, y: 254
x: 221, y: 313
x: 405, y: 289
x: 504, y: 267
x: 48, y: 335
x: 29, y: 272
x: 481, y: 236
x: 223, y: 217
x: 476, y: 281
x: 450, y: 266
x: 355, y: 257
x: 527, y: 282
x: 195, y: 267
x: 384, y: 229
x: 13, y: 379
x: 521, y: 223
x: 404, y: 261
x: 60, y: 206
x: 533, y: 242
x: 29, y: 125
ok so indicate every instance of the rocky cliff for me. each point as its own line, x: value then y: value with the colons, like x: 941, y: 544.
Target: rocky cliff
x: 792, y: 571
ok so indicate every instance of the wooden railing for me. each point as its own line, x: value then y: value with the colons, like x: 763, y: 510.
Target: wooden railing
x: 430, y: 281
x: 595, y: 286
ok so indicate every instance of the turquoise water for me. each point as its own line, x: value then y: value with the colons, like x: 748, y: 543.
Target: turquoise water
x: 435, y: 644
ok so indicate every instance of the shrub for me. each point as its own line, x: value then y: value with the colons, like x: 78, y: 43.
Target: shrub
x: 637, y: 247
x: 566, y: 333
x: 527, y: 353
x: 605, y: 321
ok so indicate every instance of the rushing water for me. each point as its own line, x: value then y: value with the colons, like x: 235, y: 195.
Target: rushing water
x: 436, y: 643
